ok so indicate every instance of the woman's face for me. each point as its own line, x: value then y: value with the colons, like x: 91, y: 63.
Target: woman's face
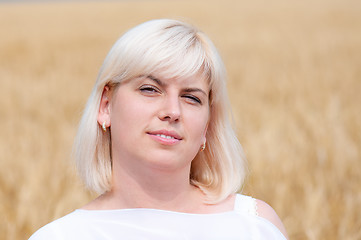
x: 158, y: 122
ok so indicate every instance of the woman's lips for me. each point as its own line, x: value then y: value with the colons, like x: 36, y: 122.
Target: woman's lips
x: 165, y: 137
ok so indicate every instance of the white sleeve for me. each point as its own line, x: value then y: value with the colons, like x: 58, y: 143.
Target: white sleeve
x: 45, y: 233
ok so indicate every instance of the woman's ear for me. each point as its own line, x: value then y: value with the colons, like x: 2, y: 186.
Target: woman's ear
x: 204, y: 138
x: 205, y: 133
x: 105, y: 107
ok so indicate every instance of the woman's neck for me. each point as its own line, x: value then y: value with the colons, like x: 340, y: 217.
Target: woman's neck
x: 150, y: 188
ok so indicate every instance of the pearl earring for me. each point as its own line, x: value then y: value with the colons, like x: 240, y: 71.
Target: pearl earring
x: 203, y: 147
x: 104, y: 127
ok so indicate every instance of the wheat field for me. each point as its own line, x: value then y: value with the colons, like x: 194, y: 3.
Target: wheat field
x: 294, y: 71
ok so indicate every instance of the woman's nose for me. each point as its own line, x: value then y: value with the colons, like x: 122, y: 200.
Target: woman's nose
x: 170, y: 110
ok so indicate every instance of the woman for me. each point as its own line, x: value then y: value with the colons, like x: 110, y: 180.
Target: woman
x: 155, y: 141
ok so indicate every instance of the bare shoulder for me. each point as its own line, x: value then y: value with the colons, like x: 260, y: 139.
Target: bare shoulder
x: 266, y: 211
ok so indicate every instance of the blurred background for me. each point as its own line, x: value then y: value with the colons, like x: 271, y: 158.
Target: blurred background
x: 294, y: 71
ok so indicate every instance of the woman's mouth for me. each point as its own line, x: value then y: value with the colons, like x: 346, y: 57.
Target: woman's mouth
x: 165, y: 137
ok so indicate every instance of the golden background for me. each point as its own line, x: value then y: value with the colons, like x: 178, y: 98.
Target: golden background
x: 294, y: 81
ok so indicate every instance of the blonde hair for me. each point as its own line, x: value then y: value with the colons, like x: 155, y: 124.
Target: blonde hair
x: 176, y: 49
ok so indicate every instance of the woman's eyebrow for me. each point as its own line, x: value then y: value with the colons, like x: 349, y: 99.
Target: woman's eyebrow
x: 190, y: 90
x: 156, y: 80
x: 187, y: 90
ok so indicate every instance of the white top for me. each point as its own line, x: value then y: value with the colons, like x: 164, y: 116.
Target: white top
x: 152, y: 224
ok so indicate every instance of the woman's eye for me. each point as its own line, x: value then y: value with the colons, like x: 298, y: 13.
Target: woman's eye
x: 193, y: 99
x: 148, y: 89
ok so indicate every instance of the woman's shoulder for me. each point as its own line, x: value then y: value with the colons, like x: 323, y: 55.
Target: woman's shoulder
x: 260, y: 208
x: 53, y: 229
x: 266, y: 211
x: 245, y: 204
